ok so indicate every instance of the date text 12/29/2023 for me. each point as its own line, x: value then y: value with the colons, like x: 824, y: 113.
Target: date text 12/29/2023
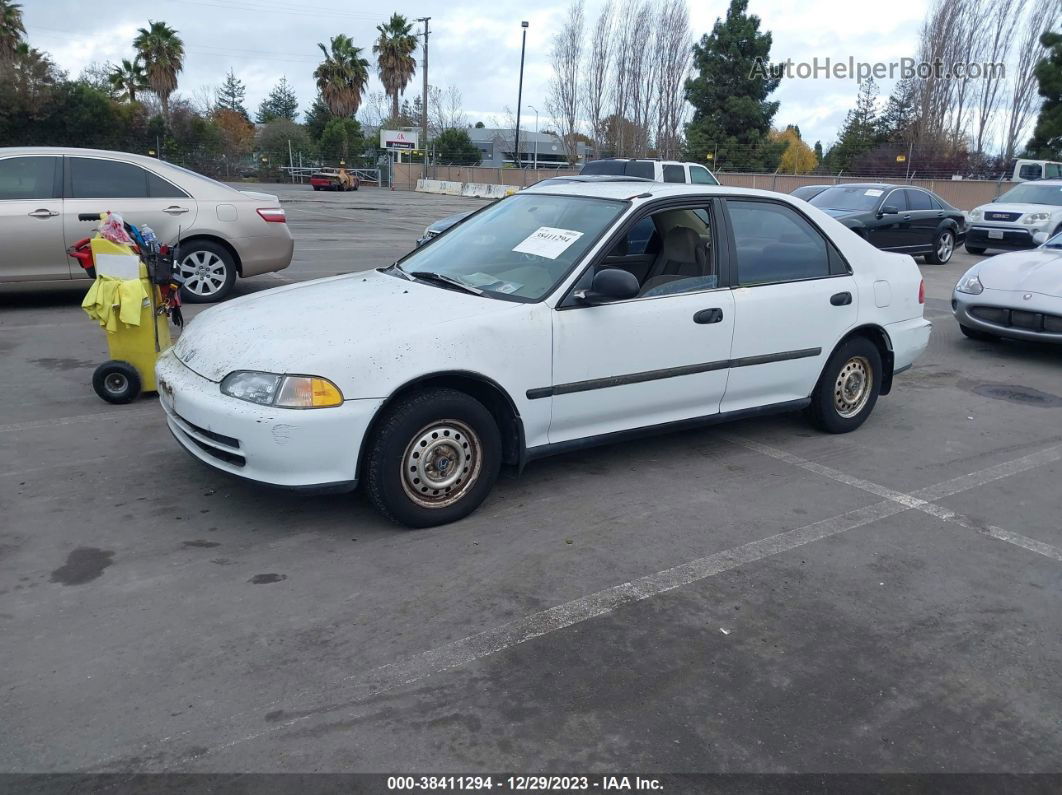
x: 523, y: 783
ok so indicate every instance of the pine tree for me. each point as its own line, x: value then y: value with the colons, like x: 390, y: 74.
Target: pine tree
x: 859, y: 132
x: 1047, y: 136
x: 896, y: 121
x: 281, y: 103
x: 317, y: 117
x: 818, y: 151
x: 232, y: 94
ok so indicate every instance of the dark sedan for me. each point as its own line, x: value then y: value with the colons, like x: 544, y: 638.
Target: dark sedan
x: 899, y: 218
x: 808, y: 192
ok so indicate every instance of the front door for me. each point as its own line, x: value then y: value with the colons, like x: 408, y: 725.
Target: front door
x: 31, y: 219
x: 892, y: 231
x: 656, y: 358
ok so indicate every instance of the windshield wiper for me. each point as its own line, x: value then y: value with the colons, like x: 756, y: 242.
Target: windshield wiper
x: 393, y: 268
x: 439, y: 278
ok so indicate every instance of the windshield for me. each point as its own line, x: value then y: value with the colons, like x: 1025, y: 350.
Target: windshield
x: 520, y: 246
x: 848, y: 197
x: 1054, y: 242
x: 1033, y: 194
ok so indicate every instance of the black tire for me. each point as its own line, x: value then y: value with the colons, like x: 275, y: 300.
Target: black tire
x: 975, y: 334
x: 316, y: 187
x: 208, y: 253
x: 858, y: 355
x: 934, y: 257
x: 975, y: 249
x: 429, y: 416
x: 356, y: 185
x: 116, y: 381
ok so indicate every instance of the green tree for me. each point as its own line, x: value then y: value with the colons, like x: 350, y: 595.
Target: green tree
x: 231, y: 95
x: 317, y: 117
x: 860, y: 129
x: 1046, y: 141
x: 12, y: 29
x: 818, y: 151
x: 162, y: 53
x: 895, y: 125
x: 731, y: 114
x: 394, y: 57
x: 127, y: 79
x: 281, y: 103
x: 274, y: 137
x: 342, y: 76
x: 454, y: 147
x: 340, y: 138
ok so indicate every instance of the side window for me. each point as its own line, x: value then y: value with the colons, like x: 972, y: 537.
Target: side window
x: 28, y: 178
x: 935, y: 202
x: 106, y: 179
x: 699, y: 175
x: 674, y: 173
x: 1053, y: 170
x: 158, y: 188
x: 775, y: 244
x: 918, y: 200
x: 641, y: 168
x: 1030, y: 171
x: 639, y: 236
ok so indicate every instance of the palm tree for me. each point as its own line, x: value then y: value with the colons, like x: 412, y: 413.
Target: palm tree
x: 162, y: 53
x: 342, y: 76
x: 128, y: 78
x: 394, y: 57
x: 11, y: 29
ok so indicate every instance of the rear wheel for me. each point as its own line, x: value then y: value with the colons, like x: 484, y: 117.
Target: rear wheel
x: 943, y: 248
x: 975, y: 334
x: 433, y: 458
x: 975, y: 249
x: 208, y: 270
x: 848, y: 387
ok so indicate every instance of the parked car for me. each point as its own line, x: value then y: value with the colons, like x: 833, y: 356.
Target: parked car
x: 224, y: 232
x: 1025, y: 170
x: 1023, y: 217
x: 1016, y: 295
x: 807, y: 192
x: 547, y: 322
x: 337, y: 179
x: 655, y: 170
x: 436, y: 228
x: 899, y: 218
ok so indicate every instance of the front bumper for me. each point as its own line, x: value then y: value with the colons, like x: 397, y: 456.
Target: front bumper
x: 1007, y: 313
x: 1013, y: 238
x: 303, y: 449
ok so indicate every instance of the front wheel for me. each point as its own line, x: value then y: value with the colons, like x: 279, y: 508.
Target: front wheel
x: 848, y: 387
x: 433, y: 458
x: 943, y: 248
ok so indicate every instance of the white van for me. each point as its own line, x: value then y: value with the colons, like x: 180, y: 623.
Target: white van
x: 1025, y: 170
x: 656, y: 170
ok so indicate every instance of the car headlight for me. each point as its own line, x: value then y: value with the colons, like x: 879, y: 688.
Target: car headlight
x: 970, y: 284
x: 284, y: 391
x: 1035, y: 219
x: 975, y: 214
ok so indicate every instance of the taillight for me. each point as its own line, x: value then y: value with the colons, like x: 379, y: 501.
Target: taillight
x: 921, y: 290
x: 273, y: 215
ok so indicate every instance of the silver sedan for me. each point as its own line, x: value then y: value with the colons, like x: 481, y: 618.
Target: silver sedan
x: 1016, y: 295
x: 224, y: 232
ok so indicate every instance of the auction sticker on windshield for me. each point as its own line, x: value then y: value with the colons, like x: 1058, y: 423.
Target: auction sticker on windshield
x: 873, y: 192
x: 547, y: 241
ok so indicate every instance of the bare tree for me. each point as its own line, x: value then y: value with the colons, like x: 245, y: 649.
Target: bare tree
x: 446, y: 109
x: 375, y: 110
x: 999, y: 19
x: 624, y: 45
x: 966, y: 49
x: 595, y: 82
x: 1041, y: 17
x: 204, y: 98
x: 674, y: 45
x: 562, y: 99
x: 936, y: 92
x: 642, y: 71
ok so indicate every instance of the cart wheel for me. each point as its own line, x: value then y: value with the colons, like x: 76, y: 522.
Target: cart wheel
x: 116, y: 382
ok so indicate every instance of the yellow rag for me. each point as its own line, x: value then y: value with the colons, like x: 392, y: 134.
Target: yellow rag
x: 108, y: 294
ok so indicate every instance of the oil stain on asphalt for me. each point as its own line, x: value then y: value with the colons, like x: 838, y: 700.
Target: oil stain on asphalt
x: 265, y: 579
x: 83, y: 565
x: 1023, y: 395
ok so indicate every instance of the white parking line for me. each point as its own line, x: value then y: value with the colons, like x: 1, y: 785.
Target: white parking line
x: 347, y: 692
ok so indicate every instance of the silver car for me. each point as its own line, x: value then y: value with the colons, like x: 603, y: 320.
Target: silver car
x: 1016, y: 295
x: 224, y: 232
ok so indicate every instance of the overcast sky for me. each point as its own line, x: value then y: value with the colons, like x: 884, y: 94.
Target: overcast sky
x: 474, y: 45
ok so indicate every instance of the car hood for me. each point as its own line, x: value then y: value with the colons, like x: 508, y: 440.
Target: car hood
x: 1036, y: 271
x: 844, y: 213
x: 1006, y: 207
x: 327, y: 327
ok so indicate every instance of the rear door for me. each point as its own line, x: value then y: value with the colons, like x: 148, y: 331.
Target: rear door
x: 143, y: 198
x: 795, y: 298
x: 31, y: 219
x: 925, y: 219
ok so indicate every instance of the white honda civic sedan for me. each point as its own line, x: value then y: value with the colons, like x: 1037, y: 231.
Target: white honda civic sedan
x: 557, y: 318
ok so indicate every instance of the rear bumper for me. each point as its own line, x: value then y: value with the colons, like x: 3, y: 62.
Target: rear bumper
x: 909, y: 338
x: 314, y: 449
x: 265, y: 253
x: 1012, y: 238
x: 1006, y: 313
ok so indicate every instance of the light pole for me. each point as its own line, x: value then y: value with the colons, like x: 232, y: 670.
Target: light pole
x: 536, y: 134
x: 520, y: 94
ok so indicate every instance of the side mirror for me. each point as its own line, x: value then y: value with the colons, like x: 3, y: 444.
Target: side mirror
x: 888, y: 209
x: 610, y: 284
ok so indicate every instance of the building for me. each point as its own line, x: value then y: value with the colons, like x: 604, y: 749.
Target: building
x: 496, y: 147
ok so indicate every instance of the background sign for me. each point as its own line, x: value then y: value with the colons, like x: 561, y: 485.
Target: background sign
x: 398, y: 139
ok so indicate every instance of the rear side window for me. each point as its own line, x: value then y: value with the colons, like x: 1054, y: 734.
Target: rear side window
x: 699, y: 175
x: 28, y: 178
x: 775, y: 244
x: 673, y: 173
x: 111, y: 179
x: 1030, y: 171
x: 611, y: 167
x: 918, y: 200
x: 640, y: 168
x: 1053, y: 170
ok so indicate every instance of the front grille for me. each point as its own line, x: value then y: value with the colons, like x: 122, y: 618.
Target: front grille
x: 189, y: 432
x: 217, y: 437
x: 1018, y: 318
x: 996, y: 215
x: 217, y: 452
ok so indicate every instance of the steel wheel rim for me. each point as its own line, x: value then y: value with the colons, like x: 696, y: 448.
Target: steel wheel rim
x: 944, y: 248
x: 852, y: 388
x: 441, y: 463
x: 115, y: 383
x: 204, y: 272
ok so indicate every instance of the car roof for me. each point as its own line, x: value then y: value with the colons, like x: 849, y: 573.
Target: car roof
x: 73, y: 150
x: 655, y: 190
x: 876, y: 185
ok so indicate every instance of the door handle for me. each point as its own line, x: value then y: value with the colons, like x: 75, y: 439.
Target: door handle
x: 841, y: 299
x: 713, y: 315
x: 176, y: 210
x: 907, y: 218
x: 42, y: 213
